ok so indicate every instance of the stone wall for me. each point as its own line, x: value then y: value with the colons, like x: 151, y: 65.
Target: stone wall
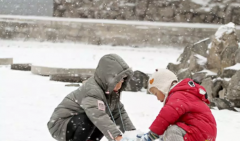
x: 192, y: 11
x: 103, y: 32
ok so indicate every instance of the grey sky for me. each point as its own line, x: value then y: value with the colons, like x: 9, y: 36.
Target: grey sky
x: 27, y: 7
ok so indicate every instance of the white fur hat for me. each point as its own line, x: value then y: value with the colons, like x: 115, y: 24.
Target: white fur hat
x: 162, y: 80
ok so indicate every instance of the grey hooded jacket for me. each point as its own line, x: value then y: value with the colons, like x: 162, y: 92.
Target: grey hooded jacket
x: 93, y: 98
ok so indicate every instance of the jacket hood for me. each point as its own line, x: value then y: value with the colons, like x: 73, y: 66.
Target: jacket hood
x: 188, y: 85
x: 110, y: 70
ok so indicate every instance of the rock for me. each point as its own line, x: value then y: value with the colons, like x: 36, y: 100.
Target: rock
x: 180, y: 18
x: 199, y: 77
x: 6, y: 61
x: 223, y: 104
x: 228, y: 73
x: 46, y: 71
x: 141, y: 7
x: 167, y: 12
x: 201, y: 47
x: 61, y: 8
x: 197, y: 63
x: 208, y: 85
x: 215, y: 9
x: 193, y: 58
x: 23, y: 67
x: 230, y: 48
x: 184, y: 73
x: 225, y: 83
x: 223, y: 48
x: 57, y: 13
x: 189, y: 16
x: 184, y: 58
x: 137, y: 82
x: 72, y: 85
x: 203, y: 17
x: 233, y: 90
x: 221, y: 14
x: 217, y: 86
x: 209, y: 18
x: 154, y: 10
x: 58, y: 1
x: 211, y: 105
x: 237, y: 56
x: 222, y: 94
x: 77, y: 78
x: 142, y: 77
x: 214, y: 59
x: 197, y: 19
x: 173, y: 67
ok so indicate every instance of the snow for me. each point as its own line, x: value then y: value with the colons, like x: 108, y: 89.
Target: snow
x: 201, y: 41
x: 235, y: 67
x: 66, y: 55
x: 200, y: 59
x: 208, y: 72
x: 225, y: 29
x: 13, y: 18
x: 27, y: 101
x: 201, y: 2
x: 227, y: 79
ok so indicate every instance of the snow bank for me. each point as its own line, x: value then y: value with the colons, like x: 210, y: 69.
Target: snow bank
x: 27, y: 101
x: 70, y: 55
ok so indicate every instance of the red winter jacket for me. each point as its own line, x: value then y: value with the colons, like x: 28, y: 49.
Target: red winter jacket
x: 186, y: 107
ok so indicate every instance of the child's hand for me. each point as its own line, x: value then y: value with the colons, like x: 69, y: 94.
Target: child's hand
x: 118, y: 138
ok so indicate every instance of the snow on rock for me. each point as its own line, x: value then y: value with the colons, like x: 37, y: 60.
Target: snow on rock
x: 235, y: 67
x: 208, y: 72
x: 227, y: 79
x: 201, y: 41
x: 209, y: 45
x: 225, y: 29
x: 201, y: 2
x: 200, y: 59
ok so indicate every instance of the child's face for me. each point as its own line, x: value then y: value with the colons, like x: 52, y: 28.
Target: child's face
x: 119, y: 85
x: 160, y: 96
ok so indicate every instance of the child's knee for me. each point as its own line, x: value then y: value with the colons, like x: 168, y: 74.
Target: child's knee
x: 173, y: 132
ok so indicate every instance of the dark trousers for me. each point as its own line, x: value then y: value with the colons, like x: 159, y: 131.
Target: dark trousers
x: 80, y: 128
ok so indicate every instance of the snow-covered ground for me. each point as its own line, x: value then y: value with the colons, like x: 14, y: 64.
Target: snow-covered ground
x: 70, y: 55
x: 27, y: 101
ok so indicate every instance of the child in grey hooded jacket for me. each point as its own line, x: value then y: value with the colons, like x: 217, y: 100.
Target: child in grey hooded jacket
x: 94, y: 110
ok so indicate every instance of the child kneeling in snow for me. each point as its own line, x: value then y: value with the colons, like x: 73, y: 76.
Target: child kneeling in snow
x: 185, y: 115
x: 94, y: 110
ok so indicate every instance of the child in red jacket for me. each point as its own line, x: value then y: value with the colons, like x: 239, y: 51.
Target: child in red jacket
x: 185, y: 115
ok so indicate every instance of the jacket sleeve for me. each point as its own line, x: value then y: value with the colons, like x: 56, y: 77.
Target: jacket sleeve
x: 95, y: 109
x: 170, y: 113
x: 126, y: 120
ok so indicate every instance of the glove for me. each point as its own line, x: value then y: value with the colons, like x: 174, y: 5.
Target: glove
x: 150, y: 136
x: 143, y: 137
